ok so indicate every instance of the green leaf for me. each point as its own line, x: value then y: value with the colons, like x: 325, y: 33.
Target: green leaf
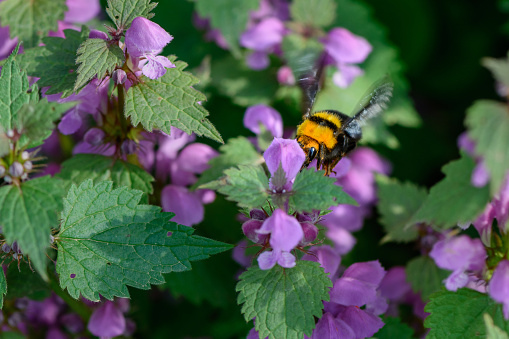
x: 460, y: 314
x: 27, y: 214
x: 108, y: 241
x: 99, y: 58
x: 31, y: 20
x: 499, y: 68
x: 397, y: 203
x: 55, y: 62
x: 13, y: 91
x: 488, y: 125
x: 170, y: 101
x: 317, y: 13
x: 425, y: 276
x: 36, y: 119
x: 237, y: 151
x: 232, y: 22
x: 492, y: 331
x: 3, y: 288
x: 100, y: 168
x: 394, y: 328
x: 25, y: 283
x: 284, y: 302
x: 453, y: 200
x: 12, y: 335
x: 244, y: 86
x: 247, y: 185
x: 300, y: 53
x: 123, y: 12
x: 313, y: 191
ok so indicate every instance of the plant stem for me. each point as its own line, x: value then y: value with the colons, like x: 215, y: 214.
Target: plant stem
x: 83, y: 311
x: 121, y: 102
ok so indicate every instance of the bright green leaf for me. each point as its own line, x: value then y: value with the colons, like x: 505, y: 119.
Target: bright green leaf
x: 31, y: 20
x: 453, y: 200
x: 108, y: 241
x: 393, y: 329
x: 247, y: 185
x: 13, y: 91
x: 499, y: 68
x: 316, y: 13
x: 3, y: 288
x: 55, y: 62
x: 488, y: 125
x: 100, y: 168
x: 11, y: 335
x: 229, y: 16
x: 458, y: 315
x: 284, y: 302
x: 237, y: 151
x: 170, y: 101
x: 27, y: 214
x: 425, y: 276
x: 36, y: 119
x: 314, y: 191
x: 242, y: 85
x: 97, y: 57
x: 397, y: 203
x: 492, y: 331
x: 123, y: 12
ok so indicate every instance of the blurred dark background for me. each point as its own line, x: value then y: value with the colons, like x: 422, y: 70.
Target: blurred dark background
x: 441, y: 43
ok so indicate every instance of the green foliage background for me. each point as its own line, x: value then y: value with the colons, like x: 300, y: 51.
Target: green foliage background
x: 440, y: 44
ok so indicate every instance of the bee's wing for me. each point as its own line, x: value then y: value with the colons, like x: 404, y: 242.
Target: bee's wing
x: 310, y: 75
x: 375, y: 101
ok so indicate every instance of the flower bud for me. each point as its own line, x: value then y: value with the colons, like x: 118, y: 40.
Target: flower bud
x: 119, y: 76
x: 257, y: 214
x: 94, y: 136
x: 2, y: 171
x: 16, y: 169
x: 6, y: 248
x: 25, y: 155
x: 285, y: 76
x: 310, y: 233
x: 128, y: 147
x: 28, y: 165
x: 250, y: 227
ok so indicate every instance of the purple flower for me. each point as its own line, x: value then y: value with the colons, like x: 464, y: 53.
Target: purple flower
x: 94, y: 136
x: 195, y: 157
x: 250, y: 229
x: 263, y: 115
x: 285, y: 233
x: 211, y: 34
x: 501, y: 205
x: 331, y: 327
x: 484, y: 224
x: 187, y: 206
x: 499, y: 286
x: 81, y: 11
x: 394, y: 285
x: 462, y: 255
x: 145, y: 39
x: 107, y: 321
x: 6, y: 43
x: 345, y: 49
x: 327, y: 258
x: 286, y: 153
x: 480, y: 175
x: 285, y: 76
x: 272, y: 8
x: 264, y: 35
x: 239, y: 254
x: 258, y: 60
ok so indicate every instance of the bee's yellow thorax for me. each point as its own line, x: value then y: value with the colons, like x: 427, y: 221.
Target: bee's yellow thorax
x: 329, y: 117
x: 322, y: 134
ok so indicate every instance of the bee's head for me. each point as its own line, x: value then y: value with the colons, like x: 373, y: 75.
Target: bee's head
x: 310, y: 147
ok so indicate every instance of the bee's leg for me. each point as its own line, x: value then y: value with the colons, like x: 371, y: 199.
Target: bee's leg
x: 321, y: 159
x: 333, y: 164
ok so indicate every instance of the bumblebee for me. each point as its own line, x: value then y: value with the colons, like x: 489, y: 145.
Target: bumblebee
x: 330, y: 135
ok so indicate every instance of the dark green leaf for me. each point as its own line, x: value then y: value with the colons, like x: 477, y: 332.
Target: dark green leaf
x: 314, y: 191
x: 108, y: 241
x: 499, y: 68
x: 458, y: 315
x: 397, y: 203
x: 284, y: 302
x: 453, y: 200
x: 55, y: 62
x: 170, y: 101
x: 237, y: 151
x: 36, y: 119
x: 424, y: 276
x: 316, y: 13
x: 492, y: 331
x: 31, y: 20
x: 229, y: 16
x: 393, y: 329
x: 11, y: 335
x: 244, y: 86
x: 13, y: 91
x: 27, y: 214
x: 123, y: 12
x: 25, y: 283
x: 247, y: 185
x: 3, y: 288
x: 488, y: 125
x: 97, y: 57
x: 100, y: 168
